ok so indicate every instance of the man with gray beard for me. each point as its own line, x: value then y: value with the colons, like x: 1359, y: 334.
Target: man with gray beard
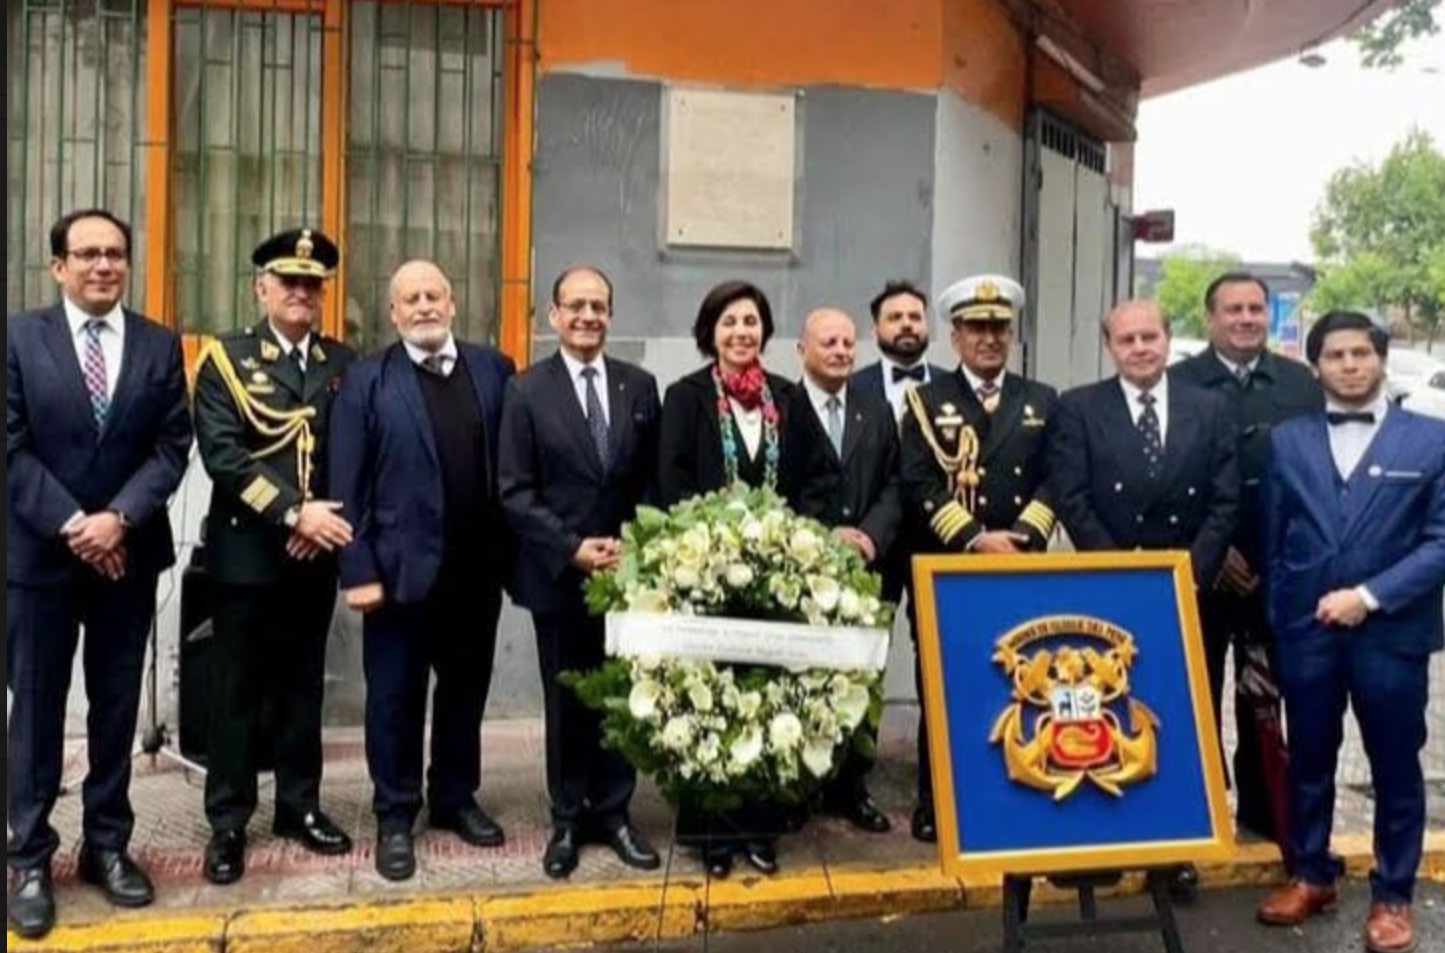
x: 414, y: 463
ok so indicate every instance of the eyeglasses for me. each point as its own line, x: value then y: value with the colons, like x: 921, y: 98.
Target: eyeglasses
x: 89, y: 256
x: 582, y: 305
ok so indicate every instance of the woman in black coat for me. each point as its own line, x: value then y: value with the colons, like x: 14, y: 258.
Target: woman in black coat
x: 724, y: 425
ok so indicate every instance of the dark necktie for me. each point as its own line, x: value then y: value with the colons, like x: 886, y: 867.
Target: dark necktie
x: 596, y: 417
x: 1350, y: 417
x: 1153, y: 441
x: 298, y: 359
x: 988, y: 395
x: 435, y: 364
x: 1244, y: 376
x: 95, y: 377
x: 917, y: 373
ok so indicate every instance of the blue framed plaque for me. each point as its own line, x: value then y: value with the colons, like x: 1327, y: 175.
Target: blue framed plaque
x: 1069, y: 714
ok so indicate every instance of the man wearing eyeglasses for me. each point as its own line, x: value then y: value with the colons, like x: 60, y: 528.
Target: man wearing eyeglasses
x: 97, y: 437
x: 579, y: 450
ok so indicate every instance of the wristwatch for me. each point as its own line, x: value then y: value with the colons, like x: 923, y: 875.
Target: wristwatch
x: 292, y: 517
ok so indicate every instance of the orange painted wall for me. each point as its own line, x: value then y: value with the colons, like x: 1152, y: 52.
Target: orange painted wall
x: 969, y: 46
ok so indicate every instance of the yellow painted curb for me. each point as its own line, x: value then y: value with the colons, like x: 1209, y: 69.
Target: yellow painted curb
x: 424, y: 926
x: 588, y: 915
x: 171, y: 934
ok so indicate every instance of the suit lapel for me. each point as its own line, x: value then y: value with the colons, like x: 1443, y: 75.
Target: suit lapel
x: 130, y: 360
x: 574, y: 421
x: 1005, y: 416
x: 67, y: 365
x: 318, y: 374
x: 278, y: 365
x: 855, y: 423
x: 1184, y: 427
x: 1366, y: 481
x: 1120, y: 434
x: 619, y: 410
x: 404, y: 372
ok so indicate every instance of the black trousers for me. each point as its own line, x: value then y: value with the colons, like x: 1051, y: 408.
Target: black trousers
x: 269, y: 639
x: 42, y: 633
x: 589, y: 785
x: 925, y: 759
x: 452, y: 635
x: 1240, y: 622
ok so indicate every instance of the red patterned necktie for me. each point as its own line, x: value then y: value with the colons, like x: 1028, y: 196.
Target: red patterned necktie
x: 95, y: 380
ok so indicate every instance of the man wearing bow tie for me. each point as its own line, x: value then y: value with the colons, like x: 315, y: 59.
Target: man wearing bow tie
x: 1355, y: 547
x: 973, y: 452
x: 414, y: 449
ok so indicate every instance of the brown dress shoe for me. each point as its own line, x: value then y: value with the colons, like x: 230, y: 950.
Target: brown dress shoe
x: 1294, y: 903
x: 1390, y: 929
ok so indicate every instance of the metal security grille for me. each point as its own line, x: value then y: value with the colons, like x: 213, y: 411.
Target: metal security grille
x: 75, y: 120
x: 424, y: 144
x: 247, y: 159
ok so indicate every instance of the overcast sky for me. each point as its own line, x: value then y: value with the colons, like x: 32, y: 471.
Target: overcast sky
x: 1244, y: 160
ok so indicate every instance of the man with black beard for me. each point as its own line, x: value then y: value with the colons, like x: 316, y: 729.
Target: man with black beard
x: 900, y: 329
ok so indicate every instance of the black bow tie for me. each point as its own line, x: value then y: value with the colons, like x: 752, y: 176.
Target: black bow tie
x: 918, y: 373
x: 1350, y: 417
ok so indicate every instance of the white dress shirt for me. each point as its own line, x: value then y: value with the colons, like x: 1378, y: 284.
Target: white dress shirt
x: 750, y: 426
x: 112, y: 340
x: 304, y: 345
x: 897, y: 393
x: 1348, y: 442
x: 447, y: 352
x: 579, y: 383
x: 1161, y: 404
x: 1234, y: 368
x: 975, y: 382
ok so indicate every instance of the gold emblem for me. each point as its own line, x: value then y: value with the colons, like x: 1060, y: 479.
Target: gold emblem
x: 1070, y: 674
x: 304, y: 245
x: 318, y: 355
x: 249, y: 363
x: 270, y: 353
x: 260, y: 378
x: 987, y: 291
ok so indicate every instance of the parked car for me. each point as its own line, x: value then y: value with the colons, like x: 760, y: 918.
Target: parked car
x: 1429, y: 399
x: 1181, y: 348
x: 1407, y: 370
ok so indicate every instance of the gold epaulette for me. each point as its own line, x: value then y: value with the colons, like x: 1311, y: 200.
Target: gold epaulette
x: 283, y: 427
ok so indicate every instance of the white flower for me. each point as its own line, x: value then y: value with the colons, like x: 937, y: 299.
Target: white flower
x: 806, y: 546
x: 747, y: 748
x: 786, y: 591
x: 709, y: 750
x: 785, y: 731
x: 647, y: 600
x: 700, y: 695
x: 686, y: 577
x: 749, y: 704
x: 643, y: 700
x: 825, y: 591
x: 740, y: 575
x: 850, y: 605
x: 818, y: 756
x: 852, y: 706
x: 752, y: 530
x: 677, y: 734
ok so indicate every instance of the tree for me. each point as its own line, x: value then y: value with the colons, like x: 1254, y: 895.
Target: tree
x: 1186, y: 273
x: 1379, y: 233
x: 1380, y: 40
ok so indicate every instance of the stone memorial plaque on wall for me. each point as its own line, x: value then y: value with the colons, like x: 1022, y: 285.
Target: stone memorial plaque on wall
x: 729, y: 169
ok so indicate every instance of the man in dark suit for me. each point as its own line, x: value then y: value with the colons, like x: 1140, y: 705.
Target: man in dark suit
x: 263, y: 404
x: 1144, y: 461
x: 579, y: 450
x: 1355, y: 558
x: 973, y: 454
x: 97, y: 437
x: 846, y: 451
x: 1263, y: 390
x: 414, y: 455
x: 900, y: 330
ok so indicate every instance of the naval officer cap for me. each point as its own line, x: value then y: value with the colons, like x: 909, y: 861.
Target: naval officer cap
x: 981, y: 298
x: 306, y: 252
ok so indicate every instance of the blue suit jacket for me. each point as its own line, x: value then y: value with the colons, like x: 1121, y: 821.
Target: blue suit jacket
x: 386, y: 471
x: 555, y: 490
x: 868, y: 382
x: 1384, y: 529
x: 56, y: 463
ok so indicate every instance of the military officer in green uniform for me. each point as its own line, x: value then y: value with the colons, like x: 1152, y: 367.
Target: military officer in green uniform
x: 263, y: 397
x: 973, y: 450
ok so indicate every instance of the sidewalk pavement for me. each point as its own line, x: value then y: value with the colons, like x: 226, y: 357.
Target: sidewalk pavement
x: 469, y: 899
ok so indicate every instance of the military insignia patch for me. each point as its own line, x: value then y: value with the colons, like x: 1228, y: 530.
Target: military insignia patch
x: 250, y: 363
x: 318, y: 354
x: 270, y: 352
x: 1063, y: 726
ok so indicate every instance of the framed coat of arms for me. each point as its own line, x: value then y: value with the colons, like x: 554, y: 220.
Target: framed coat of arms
x: 1070, y: 722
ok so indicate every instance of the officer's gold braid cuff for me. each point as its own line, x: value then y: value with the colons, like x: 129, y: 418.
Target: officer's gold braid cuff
x: 284, y: 427
x: 1040, y: 517
x: 950, y: 521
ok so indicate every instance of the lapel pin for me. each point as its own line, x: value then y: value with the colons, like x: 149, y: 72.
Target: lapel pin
x: 1376, y: 471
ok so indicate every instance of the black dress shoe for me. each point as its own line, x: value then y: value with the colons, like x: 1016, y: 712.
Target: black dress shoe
x: 226, y: 857
x: 396, y: 855
x: 632, y: 849
x: 30, y: 906
x: 562, y: 852
x: 862, y: 813
x: 123, y: 883
x: 762, y: 855
x: 471, y: 824
x: 314, y: 831
x: 718, y: 861
x: 925, y: 827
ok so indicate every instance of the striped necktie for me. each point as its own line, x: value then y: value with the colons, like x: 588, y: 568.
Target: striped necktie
x: 95, y: 376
